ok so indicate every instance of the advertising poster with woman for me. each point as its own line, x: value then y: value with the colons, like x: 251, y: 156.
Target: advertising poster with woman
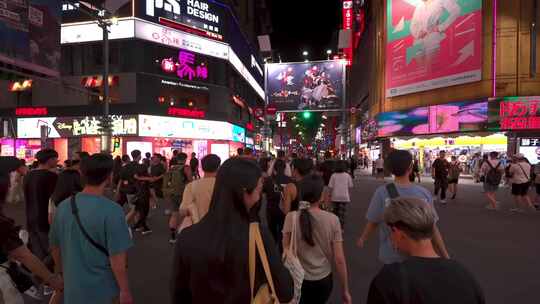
x: 432, y: 44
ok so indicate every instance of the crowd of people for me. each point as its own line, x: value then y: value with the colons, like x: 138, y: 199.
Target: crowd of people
x: 231, y: 225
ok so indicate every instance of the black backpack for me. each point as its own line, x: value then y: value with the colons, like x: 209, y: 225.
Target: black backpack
x: 493, y: 176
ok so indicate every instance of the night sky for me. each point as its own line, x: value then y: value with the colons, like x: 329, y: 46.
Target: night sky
x: 300, y: 24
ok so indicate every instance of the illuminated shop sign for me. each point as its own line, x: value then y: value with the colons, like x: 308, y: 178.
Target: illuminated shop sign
x: 172, y: 111
x: 178, y: 39
x: 185, y: 66
x: 174, y: 127
x: 41, y: 111
x: 519, y: 113
x: 90, y: 31
x: 530, y: 142
x: 74, y: 126
x: 184, y: 85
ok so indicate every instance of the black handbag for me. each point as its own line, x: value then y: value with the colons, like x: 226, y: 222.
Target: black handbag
x: 21, y: 278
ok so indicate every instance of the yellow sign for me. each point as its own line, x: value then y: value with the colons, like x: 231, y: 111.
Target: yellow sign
x: 460, y: 141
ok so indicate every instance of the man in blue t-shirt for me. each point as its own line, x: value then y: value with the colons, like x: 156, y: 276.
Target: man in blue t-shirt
x: 400, y: 163
x: 93, y: 263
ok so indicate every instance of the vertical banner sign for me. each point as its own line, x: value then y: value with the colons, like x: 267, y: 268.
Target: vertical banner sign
x: 347, y: 25
x: 432, y: 44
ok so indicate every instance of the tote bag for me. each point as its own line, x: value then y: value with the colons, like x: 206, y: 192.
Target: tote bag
x: 292, y: 263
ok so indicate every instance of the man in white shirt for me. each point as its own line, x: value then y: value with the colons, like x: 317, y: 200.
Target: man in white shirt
x: 379, y: 167
x: 339, y: 185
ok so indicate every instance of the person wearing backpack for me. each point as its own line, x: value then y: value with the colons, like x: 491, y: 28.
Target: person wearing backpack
x: 174, y: 183
x: 492, y: 172
x: 273, y: 188
x: 400, y: 164
x: 453, y: 176
x: 520, y: 177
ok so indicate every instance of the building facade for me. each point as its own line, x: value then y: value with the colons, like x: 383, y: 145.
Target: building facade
x: 412, y: 84
x: 183, y: 75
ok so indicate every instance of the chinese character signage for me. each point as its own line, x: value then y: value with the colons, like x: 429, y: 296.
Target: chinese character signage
x: 518, y: 113
x: 62, y: 127
x: 185, y: 67
x: 305, y: 86
x: 432, y: 44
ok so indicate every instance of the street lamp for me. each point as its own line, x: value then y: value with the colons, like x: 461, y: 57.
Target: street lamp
x: 305, y: 53
x: 328, y: 53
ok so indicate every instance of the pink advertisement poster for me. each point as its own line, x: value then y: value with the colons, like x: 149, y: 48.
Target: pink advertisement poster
x: 432, y: 44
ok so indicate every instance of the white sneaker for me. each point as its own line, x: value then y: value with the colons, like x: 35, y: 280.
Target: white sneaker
x: 34, y: 293
x: 443, y: 202
x: 517, y: 210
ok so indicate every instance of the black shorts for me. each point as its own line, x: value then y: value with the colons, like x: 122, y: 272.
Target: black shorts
x: 379, y: 170
x: 520, y: 189
x: 453, y: 181
x: 537, y: 188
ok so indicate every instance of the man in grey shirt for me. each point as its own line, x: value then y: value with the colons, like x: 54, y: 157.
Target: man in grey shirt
x: 400, y: 163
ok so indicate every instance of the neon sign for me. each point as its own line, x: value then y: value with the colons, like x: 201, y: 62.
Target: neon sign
x: 520, y: 114
x: 31, y: 111
x: 185, y: 67
x: 185, y: 113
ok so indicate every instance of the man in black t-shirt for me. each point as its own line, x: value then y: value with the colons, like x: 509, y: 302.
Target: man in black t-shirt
x: 439, y: 172
x: 194, y: 165
x: 38, y: 187
x: 424, y: 277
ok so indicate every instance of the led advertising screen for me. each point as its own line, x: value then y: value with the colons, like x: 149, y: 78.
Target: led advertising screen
x: 30, y: 35
x: 458, y: 116
x: 404, y: 123
x: 173, y: 127
x: 305, y: 86
x: 432, y: 44
x: 447, y: 118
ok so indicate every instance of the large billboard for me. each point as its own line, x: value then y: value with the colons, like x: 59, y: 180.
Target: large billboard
x: 30, y: 35
x: 432, y: 44
x: 305, y: 86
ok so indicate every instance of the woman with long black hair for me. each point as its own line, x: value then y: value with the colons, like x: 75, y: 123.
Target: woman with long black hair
x: 211, y: 257
x: 319, y: 244
x: 68, y: 183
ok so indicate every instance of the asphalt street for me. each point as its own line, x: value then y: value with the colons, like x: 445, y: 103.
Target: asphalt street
x: 502, y: 249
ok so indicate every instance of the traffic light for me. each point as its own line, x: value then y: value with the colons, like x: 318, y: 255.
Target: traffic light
x: 116, y: 145
x: 306, y: 115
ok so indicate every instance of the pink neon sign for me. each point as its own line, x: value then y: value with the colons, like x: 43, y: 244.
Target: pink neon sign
x: 185, y: 67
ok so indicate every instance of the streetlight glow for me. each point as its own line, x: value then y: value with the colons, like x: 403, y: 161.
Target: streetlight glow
x: 305, y: 53
x: 328, y: 52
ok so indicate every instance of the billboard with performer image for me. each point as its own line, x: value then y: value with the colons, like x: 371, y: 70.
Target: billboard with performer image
x: 432, y: 44
x: 306, y: 85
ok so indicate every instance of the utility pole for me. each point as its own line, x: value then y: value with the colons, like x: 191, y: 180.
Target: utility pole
x: 103, y: 19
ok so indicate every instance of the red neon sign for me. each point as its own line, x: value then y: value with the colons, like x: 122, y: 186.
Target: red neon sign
x: 347, y: 13
x: 250, y: 126
x: 520, y: 115
x: 186, y: 113
x: 42, y: 111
